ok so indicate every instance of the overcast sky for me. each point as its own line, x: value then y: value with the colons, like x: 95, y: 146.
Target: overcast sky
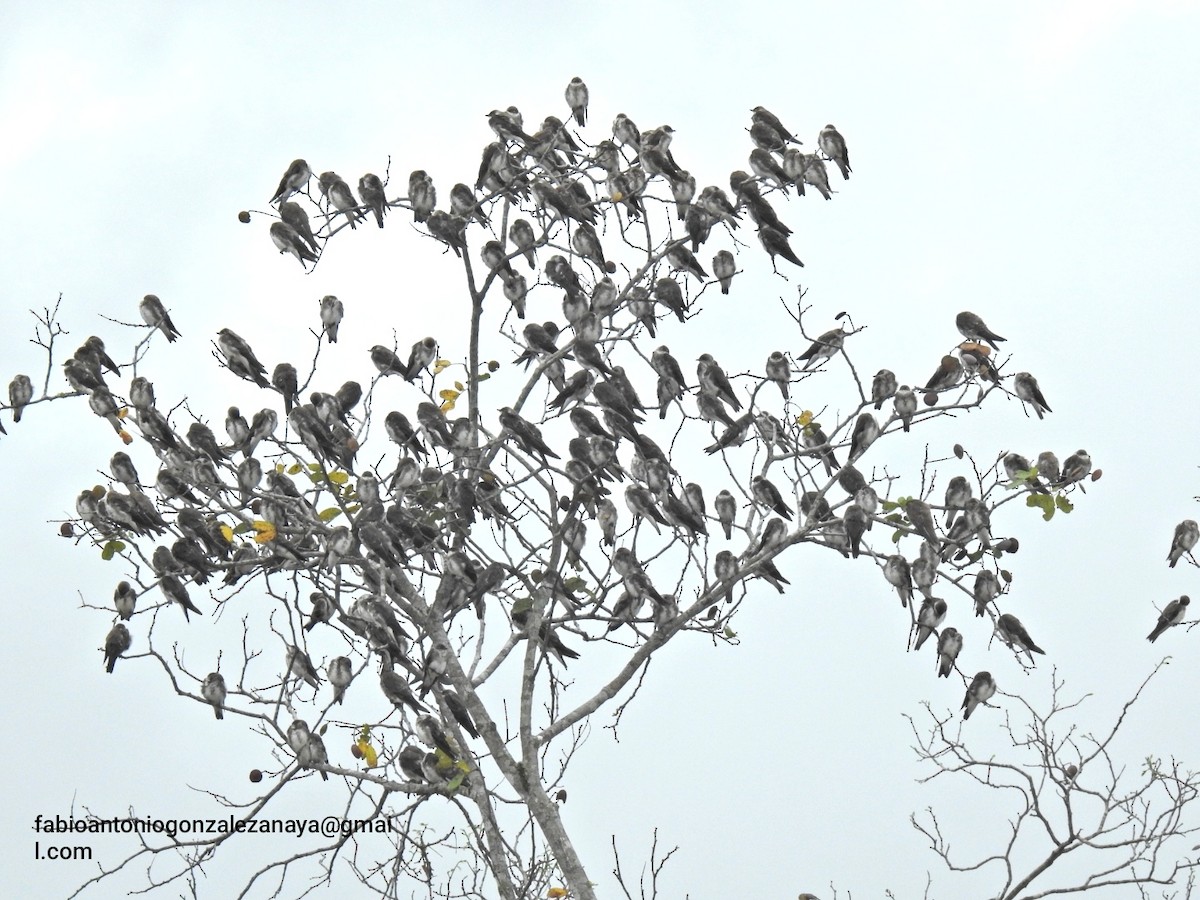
x: 1034, y: 163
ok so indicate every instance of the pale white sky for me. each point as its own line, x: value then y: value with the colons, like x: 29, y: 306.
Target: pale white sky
x: 1033, y: 162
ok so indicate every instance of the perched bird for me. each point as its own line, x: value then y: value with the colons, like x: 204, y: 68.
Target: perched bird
x: 775, y: 242
x: 921, y: 517
x: 958, y: 492
x: 339, y: 194
x: 340, y: 675
x: 387, y: 362
x: 124, y: 599
x: 331, y: 316
x: 1186, y: 534
x: 429, y: 730
x: 856, y: 523
x: 421, y: 357
x: 981, y: 690
x: 20, y: 392
x: 116, y: 643
x: 765, y: 116
x: 626, y: 132
x: 930, y: 616
x: 1028, y: 390
x: 296, y: 218
x: 866, y: 431
x: 287, y: 240
x: 898, y: 574
x: 779, y: 371
x: 422, y: 196
x: 883, y: 385
x: 972, y: 328
x: 521, y: 234
x: 950, y: 644
x: 766, y: 494
x: 213, y: 690
x: 370, y: 188
x: 240, y: 359
x: 986, y: 589
x: 1076, y: 468
x: 287, y: 382
x: 681, y: 259
x: 824, y: 347
x: 174, y: 590
x: 726, y: 508
x: 948, y: 374
x: 763, y: 164
x: 833, y: 145
x: 1010, y: 630
x: 300, y: 666
x: 1173, y: 614
x: 724, y: 268
x: 294, y: 179
x: 527, y: 435
x: 1048, y: 467
x: 577, y: 98
x: 714, y: 382
x: 155, y: 315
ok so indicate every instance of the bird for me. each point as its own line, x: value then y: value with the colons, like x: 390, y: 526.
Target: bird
x: 866, y: 431
x: 124, y: 599
x: 1028, y: 390
x: 213, y: 690
x: 422, y: 196
x: 972, y: 328
x: 921, y: 517
x: 287, y: 382
x: 950, y: 644
x: 768, y: 495
x: 714, y: 382
x: 387, y: 362
x: 824, y: 347
x: 527, y: 435
x: 905, y: 405
x: 116, y: 643
x: 724, y: 268
x: 765, y: 116
x: 287, y: 240
x: 1076, y: 467
x: 883, y: 385
x: 174, y: 590
x: 1048, y: 467
x: 370, y: 188
x: 949, y: 373
x: 981, y: 690
x: 833, y: 145
x: 422, y: 355
x: 240, y: 359
x: 958, y: 492
x: 898, y: 574
x: 931, y: 614
x: 294, y: 179
x: 726, y: 508
x: 577, y: 98
x: 340, y: 196
x: 1010, y: 630
x: 340, y: 675
x: 775, y: 242
x: 294, y: 216
x: 20, y: 392
x: 429, y: 730
x: 779, y: 371
x: 1186, y: 534
x: 155, y: 315
x: 300, y: 666
x: 1173, y: 614
x: 521, y: 233
x: 625, y: 131
x: 331, y: 316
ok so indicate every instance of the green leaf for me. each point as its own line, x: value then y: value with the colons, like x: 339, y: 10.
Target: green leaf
x: 1044, y: 502
x: 484, y: 377
x: 889, y: 505
x: 111, y: 549
x: 1063, y: 503
x: 294, y: 469
x: 730, y: 633
x: 525, y: 604
x: 456, y: 782
x: 896, y: 536
x: 241, y: 528
x: 328, y: 515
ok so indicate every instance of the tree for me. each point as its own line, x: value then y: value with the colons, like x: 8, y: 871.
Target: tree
x: 454, y: 570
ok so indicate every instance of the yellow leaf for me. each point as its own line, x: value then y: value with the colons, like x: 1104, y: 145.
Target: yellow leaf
x: 805, y: 418
x: 327, y: 515
x: 122, y: 412
x: 126, y: 437
x: 338, y: 477
x: 449, y: 394
x: 556, y: 892
x: 370, y: 757
x: 227, y: 533
x: 617, y: 196
x: 263, y: 532
x: 440, y: 364
x: 458, y: 386
x: 278, y: 467
x: 294, y: 469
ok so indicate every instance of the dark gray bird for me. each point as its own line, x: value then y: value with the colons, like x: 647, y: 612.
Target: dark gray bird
x: 856, y: 522
x: 521, y: 234
x: 1027, y: 389
x: 422, y: 196
x: 1010, y: 630
x: 1048, y: 467
x: 240, y: 359
x: 296, y: 218
x: 331, y: 316
x: 410, y: 760
x: 464, y: 203
x: 883, y: 386
x: 458, y: 709
x: 295, y: 179
x: 287, y: 240
x: 300, y: 666
x: 287, y: 382
x: 1173, y: 614
x: 370, y: 188
x: 387, y: 362
x: 429, y: 730
x: 173, y: 589
x: 921, y: 517
x: 20, y: 392
x: 866, y: 432
x: 824, y: 347
x: 340, y: 196
x: 527, y: 435
x: 985, y: 590
x: 958, y: 492
x: 116, y: 644
x: 972, y: 328
x: 155, y: 315
x: 764, y: 115
x: 775, y: 242
x: 929, y: 618
x: 1077, y: 467
x: 122, y: 469
x: 1186, y: 534
x: 724, y: 268
x: 833, y: 145
x: 681, y: 259
x: 766, y: 494
x: 714, y: 382
x: 668, y: 293
x: 779, y: 371
x: 763, y: 164
x: 213, y: 690
x: 981, y: 690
